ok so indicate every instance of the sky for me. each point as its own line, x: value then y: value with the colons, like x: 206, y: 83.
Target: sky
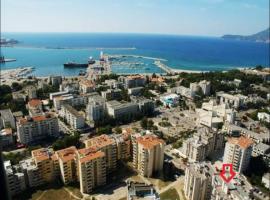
x: 181, y: 17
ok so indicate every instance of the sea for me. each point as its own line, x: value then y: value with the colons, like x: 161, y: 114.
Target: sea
x: 47, y: 52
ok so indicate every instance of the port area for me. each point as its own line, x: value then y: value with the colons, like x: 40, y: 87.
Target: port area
x: 8, y: 75
x: 164, y: 67
x: 99, y: 68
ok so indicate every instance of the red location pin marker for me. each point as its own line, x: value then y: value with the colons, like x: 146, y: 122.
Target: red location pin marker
x: 227, y: 173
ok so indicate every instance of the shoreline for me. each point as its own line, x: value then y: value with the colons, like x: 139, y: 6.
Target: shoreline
x: 23, y: 72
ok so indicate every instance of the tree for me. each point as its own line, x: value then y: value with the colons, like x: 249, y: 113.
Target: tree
x: 67, y: 141
x: 144, y: 123
x: 16, y: 86
x: 259, y: 67
x: 104, y: 130
x: 118, y: 130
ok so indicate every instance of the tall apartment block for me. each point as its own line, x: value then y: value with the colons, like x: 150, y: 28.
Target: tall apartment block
x: 91, y: 169
x: 238, y: 152
x: 47, y: 163
x: 67, y: 164
x: 197, y: 182
x: 148, y: 155
x: 107, y: 145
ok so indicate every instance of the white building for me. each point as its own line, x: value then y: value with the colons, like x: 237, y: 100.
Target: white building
x: 15, y: 181
x: 234, y: 101
x: 56, y: 94
x: 211, y: 114
x: 204, y: 143
x: 261, y: 149
x: 205, y: 86
x: 111, y: 94
x: 113, y: 84
x: 135, y: 91
x: 141, y: 191
x: 262, y: 116
x: 31, y: 172
x: 30, y: 129
x: 72, y: 116
x: 133, y: 80
x: 203, y: 181
x: 55, y: 80
x: 238, y: 152
x: 7, y: 119
x: 266, y: 180
x: 95, y: 111
x: 170, y: 100
x: 183, y: 91
x: 198, y: 182
x: 120, y: 110
x: 87, y: 86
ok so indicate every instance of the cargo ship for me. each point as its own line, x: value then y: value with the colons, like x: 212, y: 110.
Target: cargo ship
x: 74, y: 64
x: 81, y: 65
x: 4, y: 60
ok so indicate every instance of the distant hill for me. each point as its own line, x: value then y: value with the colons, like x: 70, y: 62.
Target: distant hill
x: 262, y: 36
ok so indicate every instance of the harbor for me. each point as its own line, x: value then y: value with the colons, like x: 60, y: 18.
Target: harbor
x: 9, y: 75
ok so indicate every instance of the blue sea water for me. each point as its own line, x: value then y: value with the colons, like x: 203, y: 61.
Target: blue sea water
x: 48, y: 51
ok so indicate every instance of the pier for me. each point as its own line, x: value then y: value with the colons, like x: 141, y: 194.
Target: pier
x: 164, y: 67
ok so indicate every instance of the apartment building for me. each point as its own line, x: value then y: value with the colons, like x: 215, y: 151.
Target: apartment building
x: 55, y: 80
x: 33, y: 177
x: 203, y: 181
x: 111, y: 94
x: 197, y: 184
x: 86, y: 86
x: 148, y: 155
x: 203, y: 143
x: 35, y: 107
x: 67, y: 164
x: 135, y: 91
x: 7, y: 119
x: 31, y: 129
x: 91, y: 169
x: 234, y: 101
x: 6, y: 137
x: 205, y: 87
x: 15, y: 181
x: 121, y: 110
x: 113, y: 83
x: 211, y: 114
x: 108, y: 146
x: 123, y: 144
x: 72, y: 116
x: 95, y: 111
x: 146, y: 106
x: 238, y: 152
x: 133, y: 81
x: 45, y: 161
x: 31, y: 92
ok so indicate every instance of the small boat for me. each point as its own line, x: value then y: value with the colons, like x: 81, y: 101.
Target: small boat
x: 91, y: 61
x: 82, y: 73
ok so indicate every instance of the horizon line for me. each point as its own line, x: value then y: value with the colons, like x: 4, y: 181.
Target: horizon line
x: 128, y: 33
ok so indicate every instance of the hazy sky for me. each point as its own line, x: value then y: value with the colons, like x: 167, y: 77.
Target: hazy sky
x: 185, y: 17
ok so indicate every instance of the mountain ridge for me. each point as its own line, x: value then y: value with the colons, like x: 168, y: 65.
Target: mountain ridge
x: 262, y: 36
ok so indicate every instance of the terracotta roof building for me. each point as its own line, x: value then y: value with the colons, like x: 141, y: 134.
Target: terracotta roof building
x: 238, y: 152
x: 148, y: 155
